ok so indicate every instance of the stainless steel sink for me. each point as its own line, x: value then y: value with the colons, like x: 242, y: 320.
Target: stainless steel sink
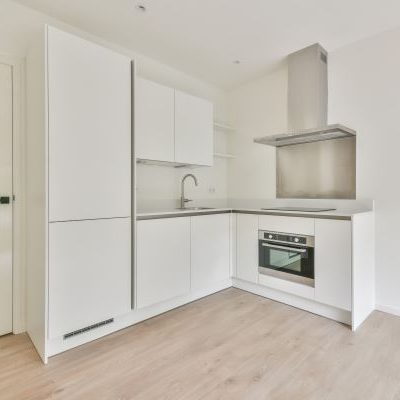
x: 194, y: 208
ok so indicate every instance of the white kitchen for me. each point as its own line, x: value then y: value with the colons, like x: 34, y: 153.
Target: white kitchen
x: 199, y: 200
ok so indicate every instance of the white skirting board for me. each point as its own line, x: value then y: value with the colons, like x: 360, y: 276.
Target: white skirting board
x: 295, y: 301
x: 59, y: 345
x: 388, y: 309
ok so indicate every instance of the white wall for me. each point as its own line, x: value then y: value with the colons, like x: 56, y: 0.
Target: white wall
x: 364, y: 83
x: 256, y: 109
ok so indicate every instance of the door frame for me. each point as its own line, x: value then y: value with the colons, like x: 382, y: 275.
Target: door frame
x: 18, y: 178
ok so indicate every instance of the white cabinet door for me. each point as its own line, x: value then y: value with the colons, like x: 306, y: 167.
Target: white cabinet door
x: 89, y: 273
x: 193, y: 130
x: 210, y: 249
x: 247, y: 247
x: 333, y: 254
x: 89, y: 113
x: 163, y: 260
x: 154, y: 121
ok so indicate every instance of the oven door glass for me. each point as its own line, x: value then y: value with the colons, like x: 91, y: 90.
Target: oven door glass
x: 293, y: 260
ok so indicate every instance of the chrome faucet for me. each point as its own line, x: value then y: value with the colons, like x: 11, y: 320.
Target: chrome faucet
x: 183, y: 199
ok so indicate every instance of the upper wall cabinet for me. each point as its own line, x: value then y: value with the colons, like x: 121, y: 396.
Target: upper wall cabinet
x: 154, y: 121
x: 171, y: 126
x: 89, y: 119
x: 193, y: 130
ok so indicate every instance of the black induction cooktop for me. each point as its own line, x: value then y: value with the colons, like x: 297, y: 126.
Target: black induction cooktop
x: 300, y: 209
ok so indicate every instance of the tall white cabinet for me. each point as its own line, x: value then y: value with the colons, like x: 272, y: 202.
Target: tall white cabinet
x: 79, y: 186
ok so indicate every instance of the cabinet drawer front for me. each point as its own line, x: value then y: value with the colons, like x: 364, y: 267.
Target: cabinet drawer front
x: 304, y: 226
x: 287, y: 286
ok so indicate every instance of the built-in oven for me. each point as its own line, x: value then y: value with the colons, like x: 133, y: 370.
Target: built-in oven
x: 286, y: 256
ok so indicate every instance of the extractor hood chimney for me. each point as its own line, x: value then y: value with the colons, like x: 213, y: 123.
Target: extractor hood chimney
x: 307, y: 101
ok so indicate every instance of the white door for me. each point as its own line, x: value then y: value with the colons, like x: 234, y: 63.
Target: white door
x: 154, y: 121
x: 5, y: 199
x: 194, y: 130
x: 89, y: 130
x: 210, y: 237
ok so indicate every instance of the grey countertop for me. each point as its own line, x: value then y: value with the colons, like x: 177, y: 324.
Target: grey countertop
x: 173, y: 213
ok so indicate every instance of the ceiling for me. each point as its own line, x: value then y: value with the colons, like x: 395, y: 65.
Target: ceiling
x: 204, y: 37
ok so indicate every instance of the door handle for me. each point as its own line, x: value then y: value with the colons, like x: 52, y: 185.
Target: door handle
x: 292, y: 249
x: 4, y: 199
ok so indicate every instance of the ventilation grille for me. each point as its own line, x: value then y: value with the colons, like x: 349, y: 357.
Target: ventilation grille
x: 88, y: 328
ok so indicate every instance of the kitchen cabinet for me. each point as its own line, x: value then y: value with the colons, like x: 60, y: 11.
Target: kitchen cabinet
x: 163, y: 260
x: 247, y: 247
x: 333, y: 263
x: 154, y: 121
x: 79, y: 184
x: 210, y: 250
x: 90, y: 273
x: 194, y: 130
x: 89, y: 129
x: 172, y: 126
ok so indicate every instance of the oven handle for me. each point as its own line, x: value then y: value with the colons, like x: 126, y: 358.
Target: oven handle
x: 284, y: 248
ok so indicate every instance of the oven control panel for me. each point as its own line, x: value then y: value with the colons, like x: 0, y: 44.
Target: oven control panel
x: 286, y: 238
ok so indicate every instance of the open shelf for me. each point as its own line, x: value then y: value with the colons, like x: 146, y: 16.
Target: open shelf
x: 224, y: 155
x: 221, y: 126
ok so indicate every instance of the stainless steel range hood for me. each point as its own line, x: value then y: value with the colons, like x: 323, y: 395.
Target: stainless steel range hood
x: 307, y: 101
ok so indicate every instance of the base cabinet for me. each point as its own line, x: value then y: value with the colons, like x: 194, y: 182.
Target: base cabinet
x: 210, y: 250
x: 163, y: 260
x: 333, y: 263
x: 247, y: 247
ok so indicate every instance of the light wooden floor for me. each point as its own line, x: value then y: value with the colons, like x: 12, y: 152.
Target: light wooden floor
x: 232, y: 345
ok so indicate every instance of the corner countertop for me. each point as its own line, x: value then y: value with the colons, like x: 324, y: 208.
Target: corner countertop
x: 340, y: 214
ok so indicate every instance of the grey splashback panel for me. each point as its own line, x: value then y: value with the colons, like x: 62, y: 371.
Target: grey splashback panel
x: 319, y: 170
